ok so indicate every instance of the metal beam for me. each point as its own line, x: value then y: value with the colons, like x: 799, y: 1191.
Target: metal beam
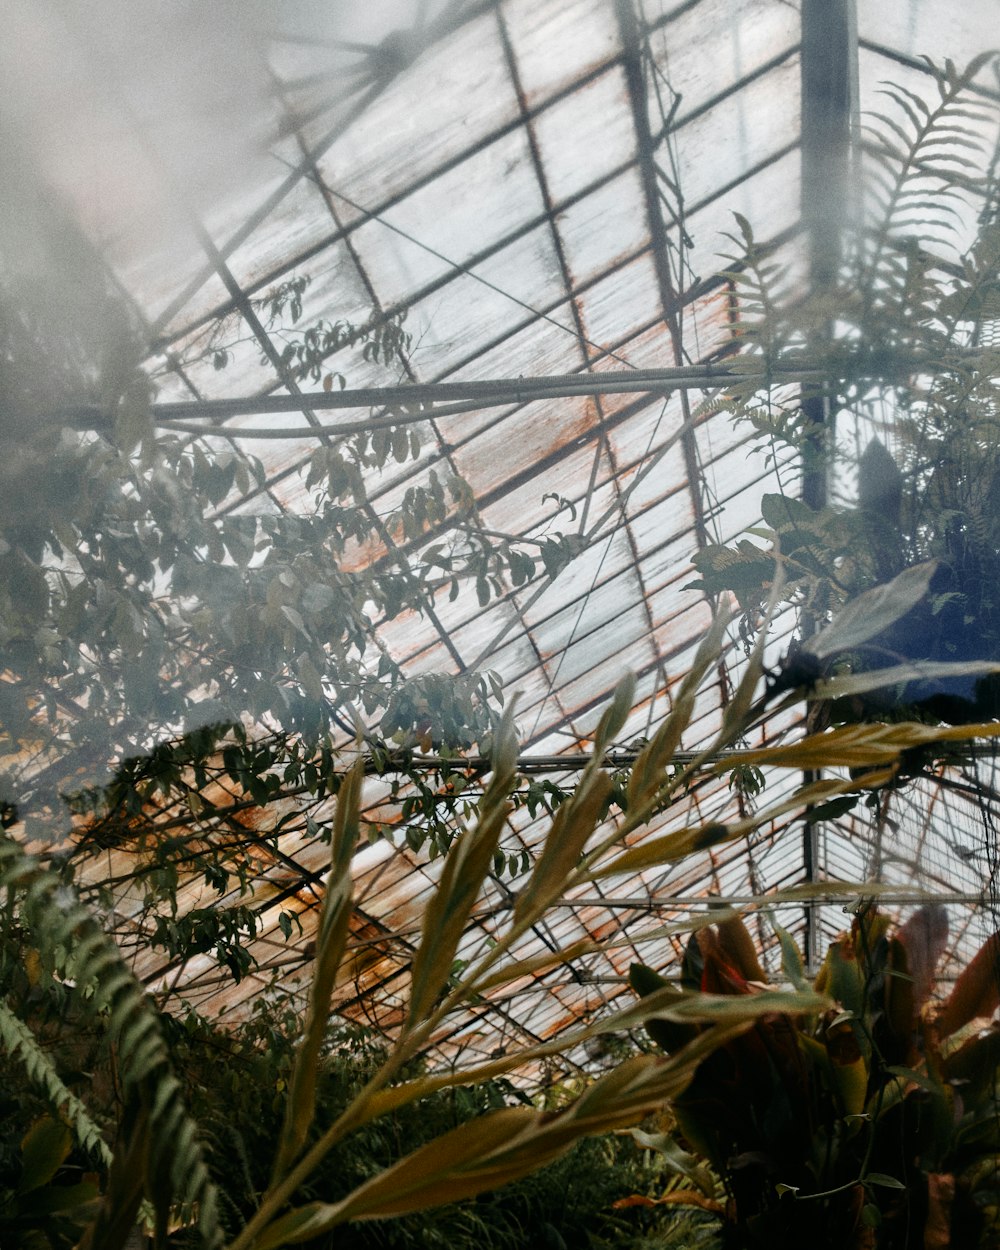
x: 412, y: 403
x: 829, y: 66
x: 829, y: 93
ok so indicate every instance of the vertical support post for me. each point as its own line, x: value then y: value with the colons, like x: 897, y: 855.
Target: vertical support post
x: 829, y: 77
x: 829, y: 73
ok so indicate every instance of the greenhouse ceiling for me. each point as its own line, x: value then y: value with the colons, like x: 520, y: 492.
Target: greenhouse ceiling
x: 543, y: 197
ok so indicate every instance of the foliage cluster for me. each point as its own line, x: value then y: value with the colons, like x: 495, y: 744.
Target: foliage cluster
x: 904, y: 339
x: 876, y: 1122
x: 235, y: 1080
x: 160, y: 1158
x: 182, y: 666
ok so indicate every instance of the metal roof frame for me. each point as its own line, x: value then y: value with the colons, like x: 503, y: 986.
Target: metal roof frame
x: 601, y: 389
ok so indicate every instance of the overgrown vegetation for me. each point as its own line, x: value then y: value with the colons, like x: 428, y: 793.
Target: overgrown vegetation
x: 876, y: 1122
x: 905, y: 341
x: 185, y: 677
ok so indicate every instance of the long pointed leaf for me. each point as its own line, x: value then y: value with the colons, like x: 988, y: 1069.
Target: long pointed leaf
x: 576, y: 818
x: 874, y: 611
x: 330, y: 944
x: 669, y: 847
x: 464, y: 871
x: 860, y: 746
x: 651, y: 763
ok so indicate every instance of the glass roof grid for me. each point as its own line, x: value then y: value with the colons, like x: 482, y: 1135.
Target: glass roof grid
x: 921, y: 26
x: 299, y: 221
x: 746, y: 38
x: 611, y: 591
x: 586, y: 135
x: 527, y: 443
x: 622, y: 303
x: 776, y: 854
x: 761, y: 194
x: 592, y: 687
x: 327, y: 135
x: 635, y: 552
x: 640, y: 348
x: 558, y: 44
x: 747, y: 130
x: 633, y: 563
x: 541, y: 173
x: 489, y: 305
x: 432, y: 232
x: 603, y: 229
x: 666, y: 560
x: 563, y: 737
x: 573, y: 659
x: 659, y: 466
x: 482, y: 256
x: 412, y: 128
x: 653, y: 662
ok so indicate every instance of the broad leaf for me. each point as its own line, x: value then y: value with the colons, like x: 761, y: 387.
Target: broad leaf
x: 874, y: 611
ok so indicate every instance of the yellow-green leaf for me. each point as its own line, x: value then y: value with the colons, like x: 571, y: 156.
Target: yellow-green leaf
x: 45, y: 1146
x: 331, y: 940
x: 571, y: 828
x: 538, y: 963
x: 462, y: 877
x: 298, y: 1225
x: 648, y: 772
x: 673, y: 846
x: 858, y: 746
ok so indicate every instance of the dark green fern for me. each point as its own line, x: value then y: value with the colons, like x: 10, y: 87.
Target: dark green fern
x: 161, y: 1131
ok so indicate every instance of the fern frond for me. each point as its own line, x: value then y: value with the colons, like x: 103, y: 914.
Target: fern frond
x: 20, y: 1043
x: 50, y: 910
x: 923, y: 144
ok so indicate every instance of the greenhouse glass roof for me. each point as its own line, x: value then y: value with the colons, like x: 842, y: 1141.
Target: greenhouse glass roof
x: 548, y: 192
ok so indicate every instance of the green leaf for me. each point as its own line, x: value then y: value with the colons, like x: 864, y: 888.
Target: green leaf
x: 886, y: 1182
x: 291, y: 614
x: 44, y: 1148
x: 331, y: 938
x: 874, y: 611
x: 791, y: 958
x: 465, y: 869
x: 917, y: 1078
x: 871, y: 1216
x: 298, y: 1225
x: 571, y: 829
x: 649, y: 770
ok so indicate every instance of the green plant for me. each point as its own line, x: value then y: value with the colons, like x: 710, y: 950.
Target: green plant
x: 158, y: 1157
x: 234, y: 1077
x: 875, y: 1122
x: 48, y: 1204
x: 904, y: 341
x: 132, y: 604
